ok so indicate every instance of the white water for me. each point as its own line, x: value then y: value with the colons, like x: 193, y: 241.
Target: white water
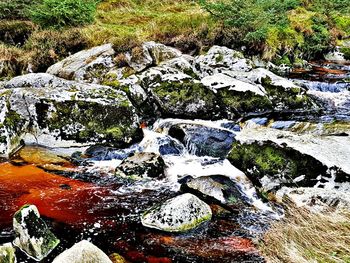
x: 185, y: 164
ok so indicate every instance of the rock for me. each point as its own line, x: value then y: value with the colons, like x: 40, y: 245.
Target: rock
x: 178, y: 214
x: 219, y: 59
x: 32, y: 234
x: 7, y: 253
x: 116, y: 258
x: 40, y: 156
x: 149, y: 54
x: 85, y: 64
x: 273, y: 158
x: 178, y: 95
x: 202, y: 140
x: 336, y: 56
x: 43, y: 109
x: 142, y: 165
x: 82, y: 252
x: 317, y: 199
x: 219, y: 81
x: 218, y: 187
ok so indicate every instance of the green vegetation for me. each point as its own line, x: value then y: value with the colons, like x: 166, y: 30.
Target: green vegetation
x: 62, y: 13
x: 297, y: 28
x: 284, y: 31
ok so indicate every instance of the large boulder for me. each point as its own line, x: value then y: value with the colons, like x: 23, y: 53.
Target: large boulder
x: 178, y: 214
x: 82, y: 252
x: 7, y: 253
x: 178, y: 95
x: 273, y: 158
x: 85, y: 65
x: 32, y: 234
x: 41, y: 108
x: 219, y: 59
x: 203, y: 140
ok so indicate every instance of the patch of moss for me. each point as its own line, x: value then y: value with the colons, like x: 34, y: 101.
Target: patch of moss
x: 177, y: 97
x: 242, y: 103
x: 346, y: 52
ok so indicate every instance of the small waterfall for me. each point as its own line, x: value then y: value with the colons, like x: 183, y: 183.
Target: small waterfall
x: 181, y: 161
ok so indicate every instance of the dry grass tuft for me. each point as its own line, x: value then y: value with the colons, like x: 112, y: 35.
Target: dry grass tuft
x: 304, y: 237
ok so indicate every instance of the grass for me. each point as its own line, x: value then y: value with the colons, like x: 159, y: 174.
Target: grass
x: 304, y: 237
x: 126, y: 23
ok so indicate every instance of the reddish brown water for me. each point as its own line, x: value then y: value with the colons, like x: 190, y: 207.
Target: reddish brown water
x: 79, y: 209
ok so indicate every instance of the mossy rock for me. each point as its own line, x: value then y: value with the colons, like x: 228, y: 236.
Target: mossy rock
x: 243, y: 103
x: 7, y: 253
x: 293, y: 99
x: 88, y: 121
x: 32, y: 234
x: 186, y: 99
x: 259, y: 159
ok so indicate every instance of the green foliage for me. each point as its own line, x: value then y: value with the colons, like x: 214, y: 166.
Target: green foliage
x: 63, y: 13
x: 270, y: 27
x: 16, y: 9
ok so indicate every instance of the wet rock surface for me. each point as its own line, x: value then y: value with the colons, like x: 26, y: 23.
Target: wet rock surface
x: 142, y: 165
x: 202, y: 140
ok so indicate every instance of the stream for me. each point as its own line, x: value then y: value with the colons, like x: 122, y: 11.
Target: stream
x: 82, y: 197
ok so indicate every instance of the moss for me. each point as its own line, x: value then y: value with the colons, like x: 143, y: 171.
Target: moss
x: 109, y: 123
x: 291, y: 98
x: 219, y: 58
x: 13, y: 120
x: 243, y: 102
x: 346, y: 52
x: 176, y: 97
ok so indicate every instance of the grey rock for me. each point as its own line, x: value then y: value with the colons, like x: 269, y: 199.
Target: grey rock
x: 32, y: 234
x: 41, y: 108
x: 84, y: 64
x: 202, y: 140
x: 178, y: 214
x: 142, y: 165
x: 82, y: 252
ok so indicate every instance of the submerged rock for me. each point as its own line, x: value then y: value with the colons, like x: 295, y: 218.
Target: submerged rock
x: 82, y: 252
x: 7, y: 253
x: 202, y: 140
x: 32, y: 234
x: 178, y: 214
x: 142, y: 165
